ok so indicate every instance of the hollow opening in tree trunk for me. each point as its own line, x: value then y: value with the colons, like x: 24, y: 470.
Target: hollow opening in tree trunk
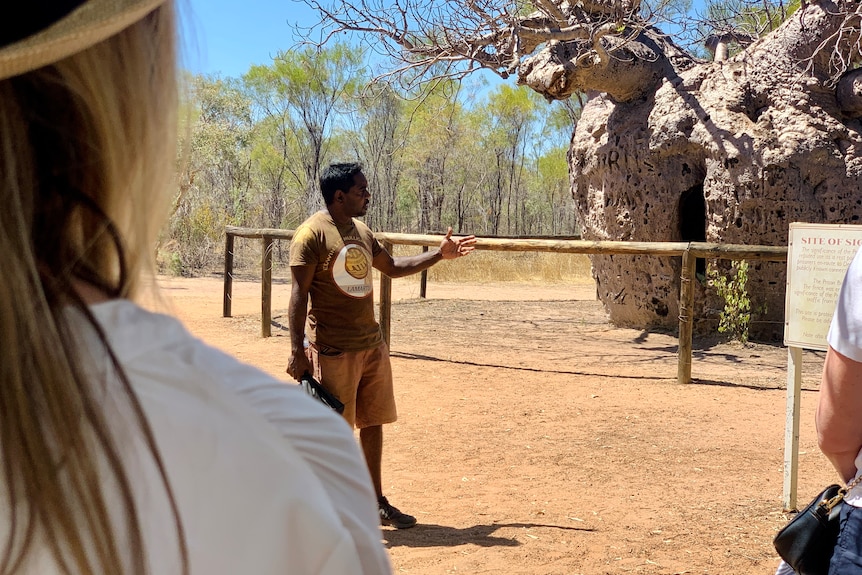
x: 692, y: 222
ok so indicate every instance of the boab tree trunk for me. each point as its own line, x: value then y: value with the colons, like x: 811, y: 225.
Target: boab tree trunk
x: 729, y: 152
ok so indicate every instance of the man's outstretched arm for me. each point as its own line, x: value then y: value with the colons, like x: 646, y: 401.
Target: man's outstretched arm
x: 450, y: 248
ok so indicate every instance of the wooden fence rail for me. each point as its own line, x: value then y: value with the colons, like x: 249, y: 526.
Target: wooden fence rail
x: 689, y: 251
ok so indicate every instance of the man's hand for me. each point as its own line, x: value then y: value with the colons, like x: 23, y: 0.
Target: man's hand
x: 297, y: 365
x: 451, y: 249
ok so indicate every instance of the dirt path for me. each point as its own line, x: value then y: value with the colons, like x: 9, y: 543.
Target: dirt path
x: 534, y: 438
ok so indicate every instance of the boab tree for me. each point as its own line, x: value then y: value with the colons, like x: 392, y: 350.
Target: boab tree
x: 669, y: 147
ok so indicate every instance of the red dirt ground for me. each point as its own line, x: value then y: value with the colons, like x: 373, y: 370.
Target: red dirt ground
x: 534, y: 438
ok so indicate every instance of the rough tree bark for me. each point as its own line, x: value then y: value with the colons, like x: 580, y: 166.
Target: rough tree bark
x: 729, y: 151
x: 669, y: 147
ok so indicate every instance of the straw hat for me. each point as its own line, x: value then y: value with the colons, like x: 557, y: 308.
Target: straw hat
x: 32, y: 37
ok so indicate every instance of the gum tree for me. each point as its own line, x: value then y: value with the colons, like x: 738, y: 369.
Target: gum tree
x: 297, y: 98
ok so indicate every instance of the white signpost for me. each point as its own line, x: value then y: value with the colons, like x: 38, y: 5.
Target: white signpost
x: 817, y: 259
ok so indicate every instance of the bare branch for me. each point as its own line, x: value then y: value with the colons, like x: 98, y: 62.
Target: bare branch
x: 562, y: 47
x: 461, y: 35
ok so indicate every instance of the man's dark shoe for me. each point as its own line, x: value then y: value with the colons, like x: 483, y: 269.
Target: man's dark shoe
x: 390, y: 515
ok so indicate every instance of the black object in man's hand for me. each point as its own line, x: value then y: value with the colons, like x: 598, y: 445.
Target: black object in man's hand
x: 313, y: 388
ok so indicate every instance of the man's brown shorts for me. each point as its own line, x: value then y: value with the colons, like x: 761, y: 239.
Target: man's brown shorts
x: 362, y: 380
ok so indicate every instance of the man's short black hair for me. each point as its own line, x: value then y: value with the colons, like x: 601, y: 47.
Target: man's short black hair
x: 337, y: 177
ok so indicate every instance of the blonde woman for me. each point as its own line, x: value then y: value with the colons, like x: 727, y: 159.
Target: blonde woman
x: 127, y: 445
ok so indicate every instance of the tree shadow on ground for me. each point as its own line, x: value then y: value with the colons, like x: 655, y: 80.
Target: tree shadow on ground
x: 699, y: 353
x: 431, y: 535
x: 696, y: 381
x: 405, y: 355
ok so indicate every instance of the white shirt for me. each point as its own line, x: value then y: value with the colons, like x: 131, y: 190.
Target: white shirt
x: 267, y: 480
x: 845, y: 331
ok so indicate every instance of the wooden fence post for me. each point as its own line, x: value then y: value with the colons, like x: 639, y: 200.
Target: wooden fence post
x: 386, y: 300
x: 423, y: 281
x: 686, y: 320
x: 791, y: 426
x: 228, y: 274
x: 266, y: 288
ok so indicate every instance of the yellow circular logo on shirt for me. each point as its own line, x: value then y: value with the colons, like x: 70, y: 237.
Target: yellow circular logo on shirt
x: 351, y: 271
x: 355, y: 263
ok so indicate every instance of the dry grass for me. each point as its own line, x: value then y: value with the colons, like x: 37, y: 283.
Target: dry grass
x: 494, y: 266
x: 480, y: 266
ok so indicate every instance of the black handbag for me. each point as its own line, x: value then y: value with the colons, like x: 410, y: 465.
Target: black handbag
x: 313, y: 388
x: 808, y: 540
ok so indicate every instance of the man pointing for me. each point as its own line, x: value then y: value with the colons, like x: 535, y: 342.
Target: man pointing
x: 336, y: 338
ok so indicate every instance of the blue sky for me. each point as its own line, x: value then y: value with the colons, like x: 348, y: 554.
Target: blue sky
x: 229, y: 36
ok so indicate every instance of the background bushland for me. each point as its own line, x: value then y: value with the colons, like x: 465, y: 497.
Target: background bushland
x: 484, y: 161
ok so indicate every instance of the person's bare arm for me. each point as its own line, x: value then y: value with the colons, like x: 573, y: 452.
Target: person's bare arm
x: 839, y: 412
x: 405, y: 265
x: 301, y: 276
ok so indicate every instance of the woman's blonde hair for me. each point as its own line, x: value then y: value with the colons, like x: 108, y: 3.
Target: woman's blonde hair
x: 86, y: 168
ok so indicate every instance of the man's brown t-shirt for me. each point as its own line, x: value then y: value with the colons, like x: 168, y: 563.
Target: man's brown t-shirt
x: 341, y: 314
